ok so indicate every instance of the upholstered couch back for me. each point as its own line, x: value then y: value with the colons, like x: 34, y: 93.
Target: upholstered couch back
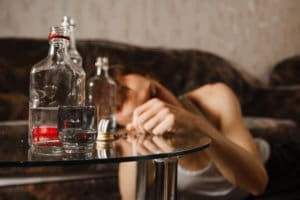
x: 179, y: 70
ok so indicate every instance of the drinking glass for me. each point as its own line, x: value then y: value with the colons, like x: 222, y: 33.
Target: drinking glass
x: 77, y: 129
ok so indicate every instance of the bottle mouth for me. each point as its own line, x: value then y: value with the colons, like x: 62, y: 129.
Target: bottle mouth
x: 57, y: 36
x: 102, y: 62
x: 59, y: 32
x: 68, y: 21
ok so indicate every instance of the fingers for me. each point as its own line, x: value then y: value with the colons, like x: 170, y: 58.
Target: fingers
x: 144, y: 113
x: 154, y: 116
x: 145, y: 145
x: 165, y: 125
x: 130, y: 127
x: 152, y: 147
x: 163, y: 144
x: 157, y: 120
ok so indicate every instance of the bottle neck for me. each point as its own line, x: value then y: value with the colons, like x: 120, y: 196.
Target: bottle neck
x: 102, y: 71
x: 58, y: 48
x: 72, y: 44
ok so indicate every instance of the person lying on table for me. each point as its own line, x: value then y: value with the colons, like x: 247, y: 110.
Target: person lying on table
x: 230, y: 168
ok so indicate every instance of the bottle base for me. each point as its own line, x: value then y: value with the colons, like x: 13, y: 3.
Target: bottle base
x: 78, y: 149
x: 47, y: 150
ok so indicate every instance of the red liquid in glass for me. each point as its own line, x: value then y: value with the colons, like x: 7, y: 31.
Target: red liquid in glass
x: 45, y: 136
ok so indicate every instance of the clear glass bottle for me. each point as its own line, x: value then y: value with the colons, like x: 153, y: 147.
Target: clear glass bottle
x: 69, y: 22
x: 102, y: 94
x: 54, y: 81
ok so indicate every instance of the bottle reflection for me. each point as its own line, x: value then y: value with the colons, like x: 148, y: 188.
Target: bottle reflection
x: 34, y: 155
x: 105, y: 149
x: 78, y: 156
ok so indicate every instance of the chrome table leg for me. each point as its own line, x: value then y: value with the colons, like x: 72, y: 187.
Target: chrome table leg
x: 166, y: 178
x: 158, y: 181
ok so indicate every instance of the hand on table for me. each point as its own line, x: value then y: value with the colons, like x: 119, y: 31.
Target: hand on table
x: 160, y: 127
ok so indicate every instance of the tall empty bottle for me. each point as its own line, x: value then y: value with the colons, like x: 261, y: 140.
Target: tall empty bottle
x: 102, y: 94
x: 54, y: 81
x: 69, y: 23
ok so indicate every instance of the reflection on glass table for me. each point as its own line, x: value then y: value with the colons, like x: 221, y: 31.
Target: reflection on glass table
x: 15, y: 152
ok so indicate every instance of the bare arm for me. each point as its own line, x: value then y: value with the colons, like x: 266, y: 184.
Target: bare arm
x: 232, y: 149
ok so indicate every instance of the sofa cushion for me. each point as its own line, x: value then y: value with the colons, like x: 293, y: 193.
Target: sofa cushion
x: 286, y: 72
x: 276, y: 102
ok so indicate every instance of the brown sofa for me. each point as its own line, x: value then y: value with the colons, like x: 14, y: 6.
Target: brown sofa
x: 272, y: 112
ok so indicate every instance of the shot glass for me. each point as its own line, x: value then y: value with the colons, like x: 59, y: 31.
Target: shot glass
x: 77, y: 129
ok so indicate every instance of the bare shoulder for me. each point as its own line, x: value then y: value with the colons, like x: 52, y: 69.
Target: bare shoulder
x: 215, y: 91
x: 217, y: 101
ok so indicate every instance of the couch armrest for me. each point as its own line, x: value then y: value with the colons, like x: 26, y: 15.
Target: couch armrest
x: 283, y: 167
x: 278, y: 102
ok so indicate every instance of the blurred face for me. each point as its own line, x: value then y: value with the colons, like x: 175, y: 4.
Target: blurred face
x: 137, y: 90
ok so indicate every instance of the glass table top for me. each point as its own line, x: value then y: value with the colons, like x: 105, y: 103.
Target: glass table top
x: 15, y: 152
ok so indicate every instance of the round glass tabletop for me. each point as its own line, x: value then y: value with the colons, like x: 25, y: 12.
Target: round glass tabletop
x: 15, y: 152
